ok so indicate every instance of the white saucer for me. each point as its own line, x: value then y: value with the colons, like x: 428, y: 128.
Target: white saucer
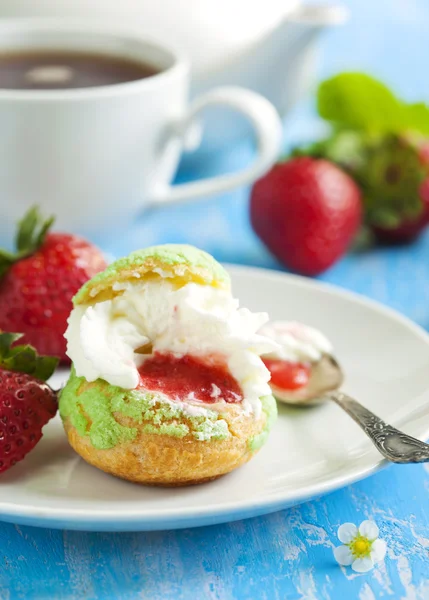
x: 310, y: 452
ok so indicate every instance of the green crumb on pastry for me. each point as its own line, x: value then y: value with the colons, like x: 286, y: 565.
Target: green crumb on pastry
x: 269, y: 407
x: 91, y: 408
x: 90, y: 412
x: 178, y: 430
x: 211, y: 430
x: 172, y: 260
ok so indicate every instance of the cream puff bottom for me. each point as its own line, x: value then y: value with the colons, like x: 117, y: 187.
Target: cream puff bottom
x: 156, y: 458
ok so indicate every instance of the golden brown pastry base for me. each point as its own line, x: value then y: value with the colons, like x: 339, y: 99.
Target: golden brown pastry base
x: 177, y: 484
x: 164, y: 460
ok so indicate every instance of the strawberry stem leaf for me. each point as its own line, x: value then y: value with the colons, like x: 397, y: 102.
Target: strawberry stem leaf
x: 6, y: 341
x: 24, y: 358
x: 26, y: 228
x: 44, y: 230
x: 6, y: 260
x: 45, y: 367
x: 32, y: 230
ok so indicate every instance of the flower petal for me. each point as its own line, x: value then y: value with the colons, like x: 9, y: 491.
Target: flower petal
x: 362, y: 565
x: 378, y: 550
x: 346, y: 532
x: 369, y: 530
x: 343, y: 555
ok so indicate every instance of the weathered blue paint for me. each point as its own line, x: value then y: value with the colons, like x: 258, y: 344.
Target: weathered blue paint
x: 286, y: 555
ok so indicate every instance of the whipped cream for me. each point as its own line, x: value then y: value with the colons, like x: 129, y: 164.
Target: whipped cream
x: 156, y: 316
x: 296, y: 342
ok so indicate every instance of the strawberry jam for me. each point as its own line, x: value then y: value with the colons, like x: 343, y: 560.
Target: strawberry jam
x: 288, y: 375
x: 189, y: 377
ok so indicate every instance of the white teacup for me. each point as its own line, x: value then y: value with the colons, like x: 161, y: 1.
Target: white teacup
x: 96, y: 156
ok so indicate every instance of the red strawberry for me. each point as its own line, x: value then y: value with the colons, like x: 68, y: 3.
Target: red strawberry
x: 307, y: 212
x: 27, y: 403
x: 39, y: 281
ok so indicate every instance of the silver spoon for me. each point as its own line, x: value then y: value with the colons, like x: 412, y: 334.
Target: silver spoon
x: 325, y: 379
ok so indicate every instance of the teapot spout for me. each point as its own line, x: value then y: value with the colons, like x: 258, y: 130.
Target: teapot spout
x: 280, y: 64
x: 292, y: 46
x: 319, y: 15
x: 308, y: 21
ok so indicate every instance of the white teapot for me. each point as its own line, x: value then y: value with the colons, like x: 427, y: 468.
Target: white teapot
x: 267, y: 45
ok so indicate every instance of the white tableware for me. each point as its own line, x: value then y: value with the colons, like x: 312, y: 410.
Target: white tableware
x: 96, y: 156
x: 269, y: 47
x: 309, y: 453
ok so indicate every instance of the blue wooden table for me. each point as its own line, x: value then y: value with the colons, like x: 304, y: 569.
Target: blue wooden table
x: 286, y: 555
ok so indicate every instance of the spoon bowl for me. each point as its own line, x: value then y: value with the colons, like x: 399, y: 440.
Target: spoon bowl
x: 326, y: 376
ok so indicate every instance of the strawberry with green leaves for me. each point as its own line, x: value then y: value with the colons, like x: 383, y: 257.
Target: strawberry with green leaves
x: 395, y: 185
x: 39, y: 280
x: 27, y: 402
x: 382, y: 142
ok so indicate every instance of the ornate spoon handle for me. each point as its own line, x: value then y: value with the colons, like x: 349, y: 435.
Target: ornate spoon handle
x: 393, y: 444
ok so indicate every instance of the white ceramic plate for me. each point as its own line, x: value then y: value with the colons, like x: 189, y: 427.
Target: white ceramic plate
x: 310, y: 451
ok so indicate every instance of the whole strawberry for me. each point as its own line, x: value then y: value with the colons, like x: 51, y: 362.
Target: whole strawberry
x: 307, y: 213
x: 39, y: 280
x: 395, y: 185
x: 27, y: 403
x: 392, y: 171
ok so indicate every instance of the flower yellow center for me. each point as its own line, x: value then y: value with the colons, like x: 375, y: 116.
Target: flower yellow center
x: 360, y: 547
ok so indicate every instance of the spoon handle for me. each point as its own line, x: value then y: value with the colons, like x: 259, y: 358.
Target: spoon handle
x: 393, y: 444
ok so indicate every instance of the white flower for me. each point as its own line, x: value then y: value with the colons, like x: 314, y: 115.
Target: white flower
x: 361, y: 547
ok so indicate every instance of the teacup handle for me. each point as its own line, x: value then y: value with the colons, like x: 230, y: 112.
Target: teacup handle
x: 266, y: 124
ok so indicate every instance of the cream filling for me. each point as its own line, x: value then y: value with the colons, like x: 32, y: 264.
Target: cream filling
x: 102, y: 339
